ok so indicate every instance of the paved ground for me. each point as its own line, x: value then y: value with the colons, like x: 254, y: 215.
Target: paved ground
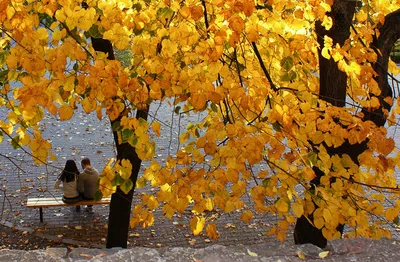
x: 85, y: 136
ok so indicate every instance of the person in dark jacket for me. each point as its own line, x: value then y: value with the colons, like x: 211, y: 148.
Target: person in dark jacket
x: 67, y: 181
x: 87, y: 182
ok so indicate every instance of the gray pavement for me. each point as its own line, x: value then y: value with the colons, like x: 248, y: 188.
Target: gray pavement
x: 86, y: 136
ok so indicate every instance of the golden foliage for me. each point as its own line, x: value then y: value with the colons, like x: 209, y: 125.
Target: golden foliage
x: 210, y: 66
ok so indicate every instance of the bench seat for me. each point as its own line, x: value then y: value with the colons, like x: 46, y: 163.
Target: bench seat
x: 41, y: 202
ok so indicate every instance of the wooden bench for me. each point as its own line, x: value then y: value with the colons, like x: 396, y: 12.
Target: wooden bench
x: 42, y: 202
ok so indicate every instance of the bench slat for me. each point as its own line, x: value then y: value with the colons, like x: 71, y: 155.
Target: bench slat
x: 57, y: 201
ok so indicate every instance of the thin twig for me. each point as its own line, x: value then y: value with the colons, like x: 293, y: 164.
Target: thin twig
x: 263, y: 67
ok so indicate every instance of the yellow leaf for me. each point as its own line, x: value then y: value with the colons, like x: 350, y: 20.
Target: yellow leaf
x: 184, y: 11
x: 391, y: 213
x: 65, y: 112
x: 211, y: 230
x: 140, y: 182
x: 69, y: 84
x: 246, y: 216
x: 209, y: 204
x: 229, y: 207
x: 252, y: 253
x: 182, y: 204
x: 323, y: 254
x: 42, y: 33
x: 301, y: 255
x: 125, y: 169
x: 282, y: 206
x: 198, y: 100
x: 196, y: 12
x: 197, y: 224
x: 298, y: 209
x: 319, y: 222
x: 308, y: 174
x: 237, y: 24
x: 156, y: 128
x: 327, y: 215
x: 327, y: 22
x: 119, y: 35
x: 152, y: 203
x: 169, y: 48
x: 325, y: 53
x: 232, y: 175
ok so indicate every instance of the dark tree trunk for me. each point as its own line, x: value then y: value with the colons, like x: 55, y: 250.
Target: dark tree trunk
x: 333, y: 90
x: 333, y: 83
x: 121, y: 203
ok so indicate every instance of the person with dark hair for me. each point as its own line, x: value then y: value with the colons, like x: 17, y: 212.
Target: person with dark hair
x: 68, y: 180
x: 87, y: 182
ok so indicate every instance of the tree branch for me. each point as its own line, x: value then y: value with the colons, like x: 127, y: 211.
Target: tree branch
x: 203, y: 2
x: 263, y: 67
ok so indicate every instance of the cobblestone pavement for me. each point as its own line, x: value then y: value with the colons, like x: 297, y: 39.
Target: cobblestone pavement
x: 86, y: 136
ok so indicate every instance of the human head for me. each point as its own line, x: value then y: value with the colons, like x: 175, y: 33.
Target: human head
x: 85, y: 162
x: 70, y: 171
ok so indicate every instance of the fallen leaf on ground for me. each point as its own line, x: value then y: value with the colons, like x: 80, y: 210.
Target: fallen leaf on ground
x: 86, y: 256
x: 301, y: 255
x: 252, y: 253
x: 192, y: 242
x: 78, y: 227
x: 323, y: 254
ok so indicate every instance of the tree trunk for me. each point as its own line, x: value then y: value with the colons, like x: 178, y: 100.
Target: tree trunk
x: 333, y: 83
x: 389, y: 33
x: 121, y: 203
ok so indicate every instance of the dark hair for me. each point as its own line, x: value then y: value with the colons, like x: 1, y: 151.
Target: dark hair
x: 85, y: 161
x: 70, y: 171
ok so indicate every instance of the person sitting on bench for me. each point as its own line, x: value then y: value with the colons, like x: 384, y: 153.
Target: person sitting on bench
x: 68, y: 179
x: 87, y: 182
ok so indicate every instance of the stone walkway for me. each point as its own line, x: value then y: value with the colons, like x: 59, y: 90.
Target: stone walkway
x: 85, y: 136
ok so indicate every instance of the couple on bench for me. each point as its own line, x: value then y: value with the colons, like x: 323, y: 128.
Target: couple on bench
x: 78, y: 186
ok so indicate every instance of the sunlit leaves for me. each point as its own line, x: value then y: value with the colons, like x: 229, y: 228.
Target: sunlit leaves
x: 156, y: 128
x: 256, y: 132
x: 119, y: 35
x: 66, y: 112
x: 298, y: 209
x: 197, y: 225
x: 212, y: 232
x: 246, y: 216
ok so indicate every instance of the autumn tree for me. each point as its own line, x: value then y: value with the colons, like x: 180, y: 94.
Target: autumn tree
x: 295, y: 96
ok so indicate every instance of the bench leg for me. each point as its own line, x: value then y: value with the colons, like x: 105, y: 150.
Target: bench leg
x: 41, y: 214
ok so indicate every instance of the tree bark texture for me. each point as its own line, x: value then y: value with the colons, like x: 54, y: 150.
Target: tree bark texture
x: 333, y: 84
x: 333, y: 90
x: 121, y: 203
